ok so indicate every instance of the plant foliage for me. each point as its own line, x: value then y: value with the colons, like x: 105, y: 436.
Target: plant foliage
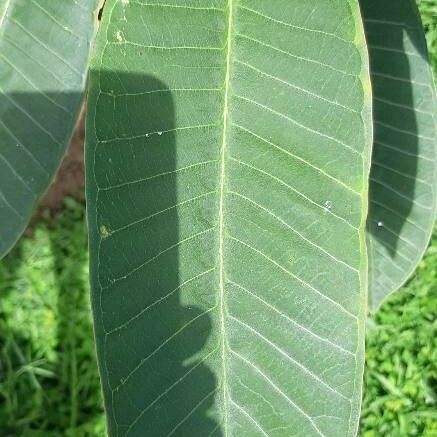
x: 229, y: 156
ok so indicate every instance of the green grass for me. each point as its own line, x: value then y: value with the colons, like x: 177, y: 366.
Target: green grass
x: 428, y: 12
x: 400, y: 391
x: 49, y: 385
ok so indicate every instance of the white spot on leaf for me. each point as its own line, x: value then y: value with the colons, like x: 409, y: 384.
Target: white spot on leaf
x: 104, y: 233
x: 119, y: 35
x: 328, y: 205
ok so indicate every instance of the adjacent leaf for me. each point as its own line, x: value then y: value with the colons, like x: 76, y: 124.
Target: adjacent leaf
x: 44, y: 46
x: 228, y: 152
x: 403, y: 179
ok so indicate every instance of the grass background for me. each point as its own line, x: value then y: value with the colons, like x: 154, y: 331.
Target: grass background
x: 49, y: 384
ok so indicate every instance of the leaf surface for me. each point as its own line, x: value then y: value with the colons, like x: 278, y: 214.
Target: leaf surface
x: 44, y: 47
x: 228, y: 154
x: 403, y: 179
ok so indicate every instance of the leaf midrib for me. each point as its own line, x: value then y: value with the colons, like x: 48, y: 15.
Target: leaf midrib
x: 221, y: 205
x: 3, y: 16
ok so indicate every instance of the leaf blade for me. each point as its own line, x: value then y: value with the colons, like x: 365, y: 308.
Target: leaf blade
x: 190, y: 240
x: 403, y: 177
x: 44, y: 53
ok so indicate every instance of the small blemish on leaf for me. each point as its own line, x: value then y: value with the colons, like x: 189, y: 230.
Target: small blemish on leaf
x: 104, y: 233
x: 327, y: 205
x: 119, y: 35
x: 100, y: 13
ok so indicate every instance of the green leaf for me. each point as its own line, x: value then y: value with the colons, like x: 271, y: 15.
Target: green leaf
x: 44, y: 47
x: 403, y: 182
x: 228, y: 152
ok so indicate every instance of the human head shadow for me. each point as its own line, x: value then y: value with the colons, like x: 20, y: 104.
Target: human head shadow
x: 151, y: 302
x: 396, y: 128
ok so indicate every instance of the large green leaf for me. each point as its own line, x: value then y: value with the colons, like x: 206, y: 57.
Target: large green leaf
x: 228, y: 152
x: 403, y: 179
x: 44, y: 47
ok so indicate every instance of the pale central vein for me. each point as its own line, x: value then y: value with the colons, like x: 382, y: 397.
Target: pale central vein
x: 221, y: 208
x: 3, y: 15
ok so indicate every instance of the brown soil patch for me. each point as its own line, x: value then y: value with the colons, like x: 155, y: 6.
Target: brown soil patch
x: 69, y: 179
